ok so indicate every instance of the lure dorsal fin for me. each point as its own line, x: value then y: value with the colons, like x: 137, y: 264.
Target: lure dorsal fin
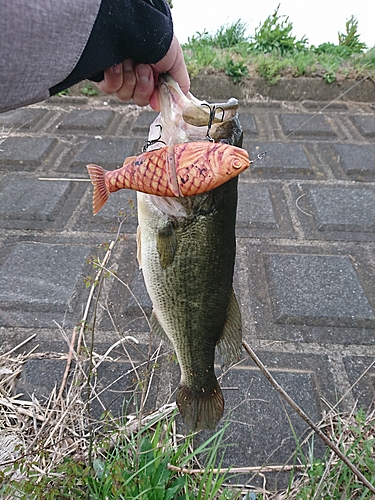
x: 129, y: 159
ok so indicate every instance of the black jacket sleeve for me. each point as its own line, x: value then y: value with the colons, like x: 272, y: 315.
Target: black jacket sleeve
x: 139, y: 29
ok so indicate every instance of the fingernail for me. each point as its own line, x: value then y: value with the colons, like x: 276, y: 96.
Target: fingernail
x: 127, y: 65
x: 143, y: 72
x: 117, y: 69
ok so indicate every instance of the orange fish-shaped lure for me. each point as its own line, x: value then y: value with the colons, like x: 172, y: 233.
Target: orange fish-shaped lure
x: 182, y: 170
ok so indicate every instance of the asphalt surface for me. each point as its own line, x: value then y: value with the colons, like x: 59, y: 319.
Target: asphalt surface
x: 305, y: 272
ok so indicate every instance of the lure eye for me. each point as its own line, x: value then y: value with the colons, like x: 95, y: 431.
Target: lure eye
x: 236, y: 163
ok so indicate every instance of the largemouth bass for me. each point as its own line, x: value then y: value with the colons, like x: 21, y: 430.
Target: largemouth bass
x: 186, y: 249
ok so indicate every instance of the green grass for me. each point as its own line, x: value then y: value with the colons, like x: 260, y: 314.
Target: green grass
x: 330, y: 477
x: 273, y: 52
x: 128, y: 467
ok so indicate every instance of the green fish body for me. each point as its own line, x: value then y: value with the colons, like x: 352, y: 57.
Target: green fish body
x: 186, y: 249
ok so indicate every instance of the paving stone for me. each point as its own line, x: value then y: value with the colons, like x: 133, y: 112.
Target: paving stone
x: 291, y: 290
x: 334, y: 213
x: 88, y: 121
x: 22, y: 119
x: 115, y: 383
x: 259, y: 429
x: 48, y: 283
x: 317, y: 290
x: 259, y: 105
x: 27, y: 198
x: 121, y: 206
x: 40, y: 377
x: 303, y: 125
x: 255, y: 207
x: 259, y: 294
x: 25, y: 152
x: 141, y: 300
x: 248, y: 124
x: 281, y: 159
x: 365, y: 124
x: 363, y: 379
x: 356, y: 160
x: 342, y: 209
x: 110, y: 153
x: 127, y: 297
x: 265, y: 436
x: 143, y: 121
x: 130, y: 304
x: 262, y: 211
x: 320, y: 105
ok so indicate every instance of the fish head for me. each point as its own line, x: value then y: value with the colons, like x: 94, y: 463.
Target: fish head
x: 184, y: 118
x: 233, y: 160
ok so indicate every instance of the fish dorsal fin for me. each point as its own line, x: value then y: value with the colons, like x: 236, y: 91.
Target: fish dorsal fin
x: 139, y: 247
x: 230, y: 343
x: 158, y: 329
x: 166, y: 244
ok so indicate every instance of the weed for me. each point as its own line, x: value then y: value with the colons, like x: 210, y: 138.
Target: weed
x: 230, y: 36
x: 331, y: 478
x: 275, y: 35
x: 236, y: 70
x: 145, y: 465
x: 227, y: 36
x: 270, y: 68
x: 89, y: 89
x: 329, y: 77
x: 273, y: 51
x: 63, y: 92
x: 350, y: 39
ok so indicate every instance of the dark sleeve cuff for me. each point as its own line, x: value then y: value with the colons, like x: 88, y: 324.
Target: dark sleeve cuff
x: 139, y: 29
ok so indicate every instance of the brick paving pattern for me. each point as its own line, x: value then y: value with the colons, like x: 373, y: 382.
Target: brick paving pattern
x: 305, y: 273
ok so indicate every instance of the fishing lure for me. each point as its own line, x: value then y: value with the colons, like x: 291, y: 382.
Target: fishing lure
x: 182, y: 170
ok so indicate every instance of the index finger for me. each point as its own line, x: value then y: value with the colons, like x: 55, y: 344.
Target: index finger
x: 174, y: 64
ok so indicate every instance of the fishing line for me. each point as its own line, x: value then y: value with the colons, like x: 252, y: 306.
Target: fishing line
x: 327, y: 105
x: 262, y: 155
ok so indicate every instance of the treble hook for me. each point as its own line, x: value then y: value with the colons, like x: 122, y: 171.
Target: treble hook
x: 150, y: 142
x: 211, y: 118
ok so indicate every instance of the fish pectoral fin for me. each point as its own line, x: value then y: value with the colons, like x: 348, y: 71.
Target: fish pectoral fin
x: 139, y: 248
x: 166, y: 244
x: 229, y: 346
x: 158, y: 329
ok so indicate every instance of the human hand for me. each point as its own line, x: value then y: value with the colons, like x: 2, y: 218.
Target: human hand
x: 138, y: 82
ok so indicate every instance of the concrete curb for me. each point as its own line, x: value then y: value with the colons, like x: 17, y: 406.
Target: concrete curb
x: 214, y: 87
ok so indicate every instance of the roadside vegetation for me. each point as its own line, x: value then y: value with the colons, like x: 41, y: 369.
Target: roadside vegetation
x: 273, y: 52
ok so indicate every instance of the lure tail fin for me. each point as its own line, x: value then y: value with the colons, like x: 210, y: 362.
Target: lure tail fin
x: 101, y: 193
x: 200, y: 409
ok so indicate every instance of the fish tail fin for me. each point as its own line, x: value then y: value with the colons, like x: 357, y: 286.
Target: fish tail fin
x: 200, y: 409
x: 101, y: 193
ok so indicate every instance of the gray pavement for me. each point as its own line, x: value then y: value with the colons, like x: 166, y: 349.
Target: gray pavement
x: 305, y: 273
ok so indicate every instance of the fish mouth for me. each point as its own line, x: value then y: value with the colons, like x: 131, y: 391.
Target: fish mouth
x: 174, y: 103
